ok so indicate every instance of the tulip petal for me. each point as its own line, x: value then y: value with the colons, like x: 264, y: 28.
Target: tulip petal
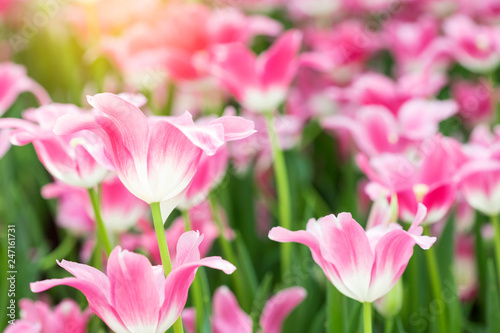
x: 279, y: 307
x: 137, y: 304
x: 227, y: 314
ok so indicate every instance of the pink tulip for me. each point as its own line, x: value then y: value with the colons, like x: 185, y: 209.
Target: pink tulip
x: 476, y: 47
x: 228, y: 316
x: 261, y: 83
x: 377, y: 89
x: 75, y: 159
x: 417, y: 45
x: 37, y: 317
x: 13, y: 81
x: 155, y: 158
x: 201, y: 219
x: 475, y: 100
x: 425, y: 175
x: 376, y: 130
x: 120, y: 209
x: 340, y: 52
x: 361, y: 265
x: 134, y: 296
x: 479, y: 178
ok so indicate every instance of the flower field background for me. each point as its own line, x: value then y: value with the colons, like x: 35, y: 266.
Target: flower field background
x: 250, y: 166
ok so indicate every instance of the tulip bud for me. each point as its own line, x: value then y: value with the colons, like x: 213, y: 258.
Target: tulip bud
x: 390, y: 304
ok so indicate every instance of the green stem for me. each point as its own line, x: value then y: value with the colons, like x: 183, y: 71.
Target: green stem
x: 187, y: 221
x: 435, y: 281
x: 283, y: 189
x: 164, y: 254
x: 334, y: 314
x: 60, y: 251
x: 389, y: 325
x: 171, y: 88
x: 228, y: 253
x: 496, y: 227
x: 102, y: 235
x: 367, y: 317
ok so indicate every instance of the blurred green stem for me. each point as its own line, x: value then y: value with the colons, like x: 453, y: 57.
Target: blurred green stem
x: 367, y: 317
x: 435, y: 281
x: 229, y: 253
x: 102, y: 235
x: 281, y: 175
x: 164, y: 254
x: 496, y: 227
x: 389, y: 325
x: 171, y: 89
x: 59, y: 252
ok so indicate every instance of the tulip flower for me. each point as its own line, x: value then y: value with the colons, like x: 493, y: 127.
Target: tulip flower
x: 14, y: 81
x: 120, y: 209
x: 362, y: 265
x: 228, y: 316
x: 376, y: 130
x: 133, y: 295
x: 259, y: 84
x: 424, y: 175
x: 476, y: 47
x: 155, y: 158
x: 475, y: 100
x: 75, y: 159
x: 38, y: 317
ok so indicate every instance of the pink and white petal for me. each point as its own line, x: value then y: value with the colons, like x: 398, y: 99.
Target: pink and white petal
x: 127, y: 119
x: 479, y: 182
x: 344, y: 244
x: 172, y: 160
x: 392, y: 254
x: 234, y: 66
x: 438, y: 201
x: 227, y: 314
x: 98, y: 300
x: 177, y: 286
x: 134, y: 292
x: 235, y: 128
x: 207, y: 137
x: 4, y: 141
x: 277, y: 65
x: 419, y: 118
x: 279, y: 307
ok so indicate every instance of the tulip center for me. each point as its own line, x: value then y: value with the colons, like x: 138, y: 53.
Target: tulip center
x: 482, y: 42
x: 393, y: 138
x: 420, y: 191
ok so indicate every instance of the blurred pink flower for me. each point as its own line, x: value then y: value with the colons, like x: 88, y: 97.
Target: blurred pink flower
x: 424, y: 175
x: 342, y: 51
x: 260, y: 83
x: 228, y: 316
x: 75, y: 159
x: 135, y: 296
x: 475, y: 100
x: 120, y: 209
x: 361, y: 265
x: 376, y: 130
x: 156, y: 157
x: 417, y: 45
x: 201, y: 219
x: 37, y: 317
x: 479, y: 178
x: 13, y: 81
x: 476, y: 47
